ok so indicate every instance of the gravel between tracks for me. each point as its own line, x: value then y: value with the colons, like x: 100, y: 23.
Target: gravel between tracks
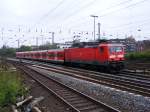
x: 122, y: 100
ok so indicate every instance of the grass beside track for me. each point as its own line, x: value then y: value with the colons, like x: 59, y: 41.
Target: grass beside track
x: 11, y: 87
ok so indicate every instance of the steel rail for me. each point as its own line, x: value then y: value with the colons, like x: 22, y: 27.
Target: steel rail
x: 90, y: 104
x: 105, y: 79
x: 124, y: 85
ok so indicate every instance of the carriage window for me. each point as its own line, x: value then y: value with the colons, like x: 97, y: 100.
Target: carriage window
x: 51, y: 55
x: 60, y: 55
x: 37, y: 54
x: 43, y: 54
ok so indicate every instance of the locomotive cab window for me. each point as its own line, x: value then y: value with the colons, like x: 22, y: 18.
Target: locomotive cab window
x: 116, y: 49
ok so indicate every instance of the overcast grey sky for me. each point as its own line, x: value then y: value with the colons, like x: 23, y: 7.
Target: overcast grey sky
x: 36, y: 18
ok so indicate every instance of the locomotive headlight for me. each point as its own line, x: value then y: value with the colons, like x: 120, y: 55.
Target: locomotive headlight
x: 120, y: 56
x: 112, y: 56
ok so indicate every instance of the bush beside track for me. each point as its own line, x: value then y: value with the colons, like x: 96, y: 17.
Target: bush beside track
x: 145, y: 55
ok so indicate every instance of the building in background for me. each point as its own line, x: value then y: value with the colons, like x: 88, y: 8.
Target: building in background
x: 143, y: 45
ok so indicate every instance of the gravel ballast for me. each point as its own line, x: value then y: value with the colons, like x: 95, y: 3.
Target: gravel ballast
x: 122, y: 100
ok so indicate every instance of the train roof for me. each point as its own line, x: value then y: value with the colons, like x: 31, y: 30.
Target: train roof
x: 79, y: 45
x: 55, y: 50
x: 94, y: 44
x: 111, y: 44
x: 40, y: 51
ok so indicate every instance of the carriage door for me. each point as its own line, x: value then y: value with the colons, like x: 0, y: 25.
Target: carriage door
x: 55, y: 58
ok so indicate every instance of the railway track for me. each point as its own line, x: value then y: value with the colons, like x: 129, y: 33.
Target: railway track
x: 123, y: 83
x: 77, y: 101
x: 138, y: 67
x: 143, y: 71
x: 136, y: 84
x: 134, y: 75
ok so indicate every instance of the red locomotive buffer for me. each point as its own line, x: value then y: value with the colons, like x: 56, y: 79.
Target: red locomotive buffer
x: 110, y: 56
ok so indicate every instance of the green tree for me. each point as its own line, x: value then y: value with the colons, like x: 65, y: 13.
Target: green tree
x: 5, y: 51
x: 48, y: 46
x: 24, y: 48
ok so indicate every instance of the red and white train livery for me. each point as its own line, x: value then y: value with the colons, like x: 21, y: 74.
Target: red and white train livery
x: 106, y: 55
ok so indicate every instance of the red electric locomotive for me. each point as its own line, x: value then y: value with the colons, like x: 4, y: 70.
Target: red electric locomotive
x: 108, y: 55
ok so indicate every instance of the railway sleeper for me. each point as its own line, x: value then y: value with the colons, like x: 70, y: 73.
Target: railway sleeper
x: 65, y: 94
x: 79, y: 105
x: 78, y: 101
x: 74, y: 99
x: 96, y: 110
x: 91, y: 107
x: 70, y: 96
x: 62, y: 91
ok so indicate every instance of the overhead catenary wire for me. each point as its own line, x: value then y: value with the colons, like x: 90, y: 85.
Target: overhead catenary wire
x: 84, y: 7
x: 110, y: 7
x: 129, y: 6
x: 140, y: 22
x: 76, y: 11
x: 47, y: 14
x: 52, y: 10
x: 109, y: 13
x: 79, y: 10
x: 105, y: 14
x: 133, y: 30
